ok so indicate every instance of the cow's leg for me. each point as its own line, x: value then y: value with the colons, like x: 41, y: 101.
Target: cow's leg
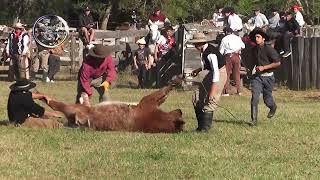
x: 75, y: 113
x: 155, y: 99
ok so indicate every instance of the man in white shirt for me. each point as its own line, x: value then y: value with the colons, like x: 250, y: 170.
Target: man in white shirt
x: 207, y: 97
x: 274, y: 19
x: 230, y: 48
x: 234, y: 21
x: 259, y: 20
x: 298, y: 16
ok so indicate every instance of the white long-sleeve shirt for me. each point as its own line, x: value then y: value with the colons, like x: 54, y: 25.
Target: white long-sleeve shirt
x: 231, y: 44
x: 235, y: 22
x: 213, y: 60
x: 299, y: 19
x: 259, y: 21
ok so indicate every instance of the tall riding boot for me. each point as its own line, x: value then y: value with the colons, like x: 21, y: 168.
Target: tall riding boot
x: 198, y: 112
x: 44, y: 76
x: 207, y: 118
x: 254, y: 115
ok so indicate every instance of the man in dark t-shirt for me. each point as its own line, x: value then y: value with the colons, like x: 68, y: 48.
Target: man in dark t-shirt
x: 22, y: 110
x: 266, y: 60
x: 86, y: 25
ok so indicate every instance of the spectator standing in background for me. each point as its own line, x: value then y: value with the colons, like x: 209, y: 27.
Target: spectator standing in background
x: 230, y: 48
x: 233, y: 20
x: 17, y: 49
x: 218, y: 18
x: 141, y: 59
x: 158, y: 18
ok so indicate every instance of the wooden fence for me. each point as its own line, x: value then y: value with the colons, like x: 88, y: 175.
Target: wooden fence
x: 301, y: 71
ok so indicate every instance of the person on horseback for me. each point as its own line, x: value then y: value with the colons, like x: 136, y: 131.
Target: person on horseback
x: 158, y: 18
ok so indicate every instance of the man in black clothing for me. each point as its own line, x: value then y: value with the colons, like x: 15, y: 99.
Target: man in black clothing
x: 291, y: 28
x: 266, y: 59
x: 86, y: 25
x: 22, y: 110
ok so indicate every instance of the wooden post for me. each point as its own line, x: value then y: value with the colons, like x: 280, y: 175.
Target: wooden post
x: 305, y: 71
x: 296, y: 41
x: 73, y: 55
x: 313, y: 64
x: 81, y: 55
x: 318, y: 63
x: 300, y: 61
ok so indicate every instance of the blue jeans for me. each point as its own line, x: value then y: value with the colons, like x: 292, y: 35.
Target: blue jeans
x: 264, y: 85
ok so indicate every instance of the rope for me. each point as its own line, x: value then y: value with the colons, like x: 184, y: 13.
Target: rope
x: 234, y: 117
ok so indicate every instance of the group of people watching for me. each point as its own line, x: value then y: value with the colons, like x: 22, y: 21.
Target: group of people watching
x: 154, y: 49
x: 281, y: 26
x: 22, y: 64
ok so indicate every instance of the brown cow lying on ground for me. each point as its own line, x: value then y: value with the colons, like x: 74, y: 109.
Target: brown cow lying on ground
x: 144, y: 117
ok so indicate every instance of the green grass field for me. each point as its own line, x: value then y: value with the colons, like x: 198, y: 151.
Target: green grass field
x: 286, y: 147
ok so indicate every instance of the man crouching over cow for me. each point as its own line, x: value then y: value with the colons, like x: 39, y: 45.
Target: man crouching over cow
x: 116, y: 116
x: 97, y: 71
x: 23, y: 111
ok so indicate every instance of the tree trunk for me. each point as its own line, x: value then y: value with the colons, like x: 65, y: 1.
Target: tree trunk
x: 105, y: 18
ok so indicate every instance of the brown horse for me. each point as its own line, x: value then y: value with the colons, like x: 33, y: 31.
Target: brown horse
x: 107, y: 116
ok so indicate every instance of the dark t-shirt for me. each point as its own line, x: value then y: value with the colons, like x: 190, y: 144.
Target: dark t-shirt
x: 264, y: 55
x: 85, y: 20
x: 21, y: 106
x: 142, y: 55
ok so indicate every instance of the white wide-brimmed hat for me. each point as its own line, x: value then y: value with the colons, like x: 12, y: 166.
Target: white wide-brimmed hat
x: 201, y: 37
x: 19, y: 25
x: 141, y: 41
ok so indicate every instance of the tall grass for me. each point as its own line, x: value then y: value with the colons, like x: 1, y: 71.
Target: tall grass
x: 286, y: 147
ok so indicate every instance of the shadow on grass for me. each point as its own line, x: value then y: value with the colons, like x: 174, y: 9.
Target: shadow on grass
x: 4, y: 123
x: 313, y: 98
x: 237, y: 122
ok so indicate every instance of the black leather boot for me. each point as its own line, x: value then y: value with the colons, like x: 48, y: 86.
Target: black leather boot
x: 254, y: 115
x: 198, y: 112
x: 272, y: 111
x: 207, y: 120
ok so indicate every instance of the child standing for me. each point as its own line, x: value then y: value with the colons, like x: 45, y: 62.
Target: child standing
x: 142, y: 61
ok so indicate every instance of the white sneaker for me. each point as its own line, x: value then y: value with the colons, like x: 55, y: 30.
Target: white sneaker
x: 47, y: 80
x: 52, y: 81
x: 286, y: 54
x: 226, y: 94
x: 89, y: 46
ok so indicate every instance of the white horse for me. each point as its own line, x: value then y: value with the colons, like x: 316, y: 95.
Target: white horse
x: 153, y: 37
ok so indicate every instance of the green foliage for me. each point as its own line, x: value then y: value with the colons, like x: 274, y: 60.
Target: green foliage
x: 29, y: 10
